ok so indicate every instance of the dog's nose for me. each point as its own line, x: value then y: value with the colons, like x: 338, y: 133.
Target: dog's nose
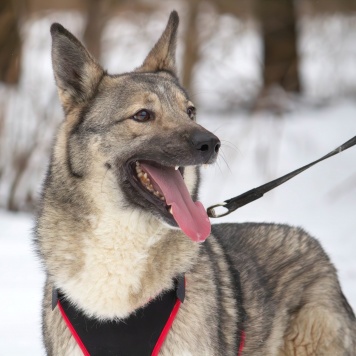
x: 206, y: 142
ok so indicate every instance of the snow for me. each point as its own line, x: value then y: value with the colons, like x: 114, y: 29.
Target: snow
x: 255, y: 148
x: 21, y: 283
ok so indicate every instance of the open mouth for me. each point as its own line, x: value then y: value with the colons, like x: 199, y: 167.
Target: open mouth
x: 164, y: 187
x: 150, y: 184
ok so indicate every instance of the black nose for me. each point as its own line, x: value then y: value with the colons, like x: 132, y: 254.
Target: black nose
x: 206, y: 142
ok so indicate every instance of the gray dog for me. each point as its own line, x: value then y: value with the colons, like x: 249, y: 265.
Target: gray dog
x: 133, y: 266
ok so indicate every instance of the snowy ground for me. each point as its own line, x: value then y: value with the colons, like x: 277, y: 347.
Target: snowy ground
x: 21, y: 283
x: 322, y: 200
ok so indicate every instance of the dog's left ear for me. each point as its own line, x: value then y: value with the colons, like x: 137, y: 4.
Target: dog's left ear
x: 76, y: 72
x: 163, y: 55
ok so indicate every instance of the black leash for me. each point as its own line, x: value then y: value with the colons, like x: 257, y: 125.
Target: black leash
x: 256, y: 193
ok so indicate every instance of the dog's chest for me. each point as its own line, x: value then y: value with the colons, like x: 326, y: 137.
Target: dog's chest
x: 142, y: 333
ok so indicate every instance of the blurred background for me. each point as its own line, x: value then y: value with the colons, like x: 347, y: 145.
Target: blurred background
x: 274, y: 79
x: 234, y: 55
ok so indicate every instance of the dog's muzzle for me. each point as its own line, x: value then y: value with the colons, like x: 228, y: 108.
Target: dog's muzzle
x: 207, y: 143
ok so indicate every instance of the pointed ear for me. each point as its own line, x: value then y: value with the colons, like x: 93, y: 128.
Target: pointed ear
x: 76, y: 72
x: 163, y: 55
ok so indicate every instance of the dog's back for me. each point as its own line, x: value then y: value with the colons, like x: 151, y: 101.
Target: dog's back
x: 119, y: 222
x: 290, y: 291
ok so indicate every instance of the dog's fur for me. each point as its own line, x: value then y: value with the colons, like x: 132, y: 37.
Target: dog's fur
x: 109, y: 249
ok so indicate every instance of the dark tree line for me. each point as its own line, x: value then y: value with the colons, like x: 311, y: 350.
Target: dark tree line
x: 277, y: 19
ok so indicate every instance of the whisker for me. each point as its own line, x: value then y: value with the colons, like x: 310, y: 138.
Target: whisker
x: 217, y: 163
x: 218, y: 128
x: 230, y: 145
x: 227, y: 164
x: 222, y: 154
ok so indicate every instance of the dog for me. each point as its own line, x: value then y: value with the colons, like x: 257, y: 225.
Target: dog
x: 120, y: 228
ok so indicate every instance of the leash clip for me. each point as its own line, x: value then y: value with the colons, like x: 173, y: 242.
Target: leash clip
x: 213, y: 214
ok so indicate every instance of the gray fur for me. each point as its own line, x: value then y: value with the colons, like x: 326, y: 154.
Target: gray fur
x: 110, y: 250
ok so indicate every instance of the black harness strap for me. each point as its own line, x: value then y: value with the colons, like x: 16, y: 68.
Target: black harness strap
x: 136, y: 335
x: 141, y: 334
x: 232, y: 204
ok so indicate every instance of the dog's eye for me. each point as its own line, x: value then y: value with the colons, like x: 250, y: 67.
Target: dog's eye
x: 142, y: 116
x: 191, y: 112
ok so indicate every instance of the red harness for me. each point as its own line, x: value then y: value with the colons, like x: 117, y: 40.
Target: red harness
x: 157, y: 346
x: 120, y: 338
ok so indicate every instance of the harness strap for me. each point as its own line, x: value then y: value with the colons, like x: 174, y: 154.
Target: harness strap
x: 142, y: 333
x: 166, y: 328
x: 72, y: 330
x: 125, y: 337
x: 242, y: 342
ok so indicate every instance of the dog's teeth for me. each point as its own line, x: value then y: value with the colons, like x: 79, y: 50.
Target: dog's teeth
x: 146, y: 182
x: 176, y: 168
x: 170, y: 210
x: 157, y: 194
x: 144, y: 179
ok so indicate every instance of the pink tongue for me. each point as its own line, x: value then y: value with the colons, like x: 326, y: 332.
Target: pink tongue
x: 190, y: 216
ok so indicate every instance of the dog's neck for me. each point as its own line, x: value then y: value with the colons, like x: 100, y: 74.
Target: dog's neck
x: 113, y: 260
x: 121, y: 271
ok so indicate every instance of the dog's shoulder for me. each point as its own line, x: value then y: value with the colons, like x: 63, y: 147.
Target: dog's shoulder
x: 262, y: 238
x: 273, y: 254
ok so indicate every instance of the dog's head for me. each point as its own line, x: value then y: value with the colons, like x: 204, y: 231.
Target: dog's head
x: 138, y: 127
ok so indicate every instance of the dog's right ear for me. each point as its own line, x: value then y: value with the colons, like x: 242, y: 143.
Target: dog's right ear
x: 76, y: 72
x: 163, y: 55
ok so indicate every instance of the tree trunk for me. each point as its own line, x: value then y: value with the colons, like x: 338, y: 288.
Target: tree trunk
x: 97, y: 14
x: 280, y: 55
x: 191, y: 43
x: 10, y: 42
